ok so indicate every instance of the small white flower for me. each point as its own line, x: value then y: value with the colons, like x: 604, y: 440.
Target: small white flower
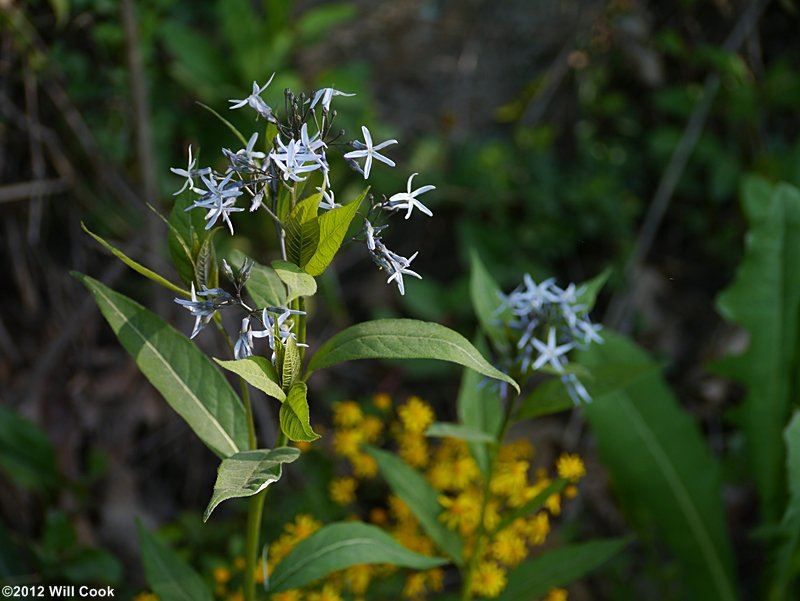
x: 328, y: 200
x: 219, y: 200
x: 326, y: 95
x: 189, y: 173
x: 203, y: 310
x: 244, y: 343
x: 255, y: 101
x: 408, y: 199
x: 248, y: 153
x: 292, y: 161
x: 370, y: 152
x: 550, y: 353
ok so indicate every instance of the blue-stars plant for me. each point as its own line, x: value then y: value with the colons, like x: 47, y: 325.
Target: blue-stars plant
x: 298, y: 152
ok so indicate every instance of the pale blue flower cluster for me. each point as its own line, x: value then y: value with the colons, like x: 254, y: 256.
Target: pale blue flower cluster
x: 550, y: 322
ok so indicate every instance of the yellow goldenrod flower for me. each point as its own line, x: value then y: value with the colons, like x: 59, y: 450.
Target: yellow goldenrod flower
x: 343, y: 490
x: 290, y: 595
x: 304, y: 525
x: 435, y: 578
x: 510, y: 478
x: 464, y: 472
x: 410, y: 537
x: 414, y: 449
x: 346, y: 442
x: 571, y: 491
x: 416, y: 415
x: 357, y: 578
x: 328, y: 593
x: 516, y: 450
x: 382, y: 401
x: 488, y: 580
x: 259, y: 575
x: 440, y: 475
x: 462, y: 512
x: 221, y: 574
x: 238, y: 596
x: 399, y: 509
x: 371, y: 428
x: 553, y: 504
x: 364, y: 466
x: 415, y: 586
x: 279, y: 549
x: 538, y: 528
x: 556, y: 594
x: 378, y: 516
x: 570, y: 467
x: 509, y: 547
x: 347, y: 414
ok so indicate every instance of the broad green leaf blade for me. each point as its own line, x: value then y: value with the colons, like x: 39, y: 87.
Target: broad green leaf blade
x: 248, y: 473
x: 486, y: 301
x: 258, y: 372
x: 662, y: 469
x: 303, y: 230
x: 790, y: 525
x: 168, y: 575
x: 137, y: 267
x: 297, y: 280
x: 535, y: 503
x: 290, y: 363
x: 765, y: 299
x: 557, y: 568
x: 340, y: 546
x: 26, y: 453
x: 294, y: 418
x: 552, y: 397
x: 403, y: 339
x: 421, y: 498
x: 479, y: 408
x: 588, y: 291
x: 333, y: 226
x: 185, y: 377
x: 448, y: 430
x: 264, y: 285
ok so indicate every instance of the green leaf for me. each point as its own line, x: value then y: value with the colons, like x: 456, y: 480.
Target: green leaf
x: 403, y: 339
x: 333, y: 226
x: 765, y: 299
x: 340, y: 546
x: 206, y: 270
x: 315, y: 24
x: 588, y: 291
x: 297, y: 280
x: 662, y: 470
x: 448, y: 430
x: 186, y: 378
x: 264, y: 285
x: 290, y: 361
x: 248, y: 473
x: 179, y: 249
x: 26, y: 453
x: 535, y: 503
x: 552, y: 397
x: 422, y: 499
x: 479, y: 408
x: 168, y: 575
x: 257, y: 372
x: 486, y: 301
x: 790, y: 525
x: 303, y: 230
x: 138, y: 268
x: 557, y: 568
x: 294, y: 418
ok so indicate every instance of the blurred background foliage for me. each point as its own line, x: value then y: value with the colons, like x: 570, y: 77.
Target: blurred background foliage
x: 546, y: 127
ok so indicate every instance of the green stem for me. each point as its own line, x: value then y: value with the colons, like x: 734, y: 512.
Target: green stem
x: 481, y: 533
x: 254, y: 512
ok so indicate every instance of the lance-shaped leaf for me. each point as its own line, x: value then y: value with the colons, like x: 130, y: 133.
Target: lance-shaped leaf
x: 170, y: 577
x: 765, y: 299
x: 552, y: 397
x: 185, y: 377
x: 588, y: 291
x: 297, y: 280
x: 448, y: 430
x: 137, y: 267
x: 294, y: 418
x: 486, y: 301
x: 248, y: 473
x: 339, y: 546
x: 289, y: 361
x: 333, y: 226
x: 790, y: 525
x: 403, y: 339
x: 421, y: 498
x: 660, y: 465
x: 258, y: 372
x: 303, y: 230
x: 535, y: 577
x: 509, y: 517
x: 264, y: 285
x: 206, y: 270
